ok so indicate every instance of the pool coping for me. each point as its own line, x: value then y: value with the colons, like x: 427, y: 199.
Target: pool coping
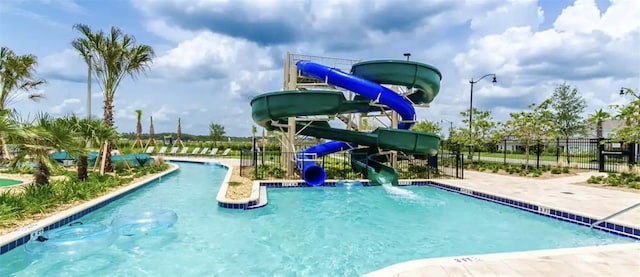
x: 221, y: 198
x: 415, y: 265
x: 23, y: 234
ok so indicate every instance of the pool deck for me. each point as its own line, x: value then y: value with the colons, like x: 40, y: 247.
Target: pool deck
x: 558, y: 193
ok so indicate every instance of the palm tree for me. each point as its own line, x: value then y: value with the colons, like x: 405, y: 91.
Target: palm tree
x: 103, y: 134
x: 42, y: 136
x: 597, y: 118
x: 113, y: 56
x: 138, y: 130
x: 9, y: 127
x: 152, y: 134
x: 86, y: 130
x: 17, y: 78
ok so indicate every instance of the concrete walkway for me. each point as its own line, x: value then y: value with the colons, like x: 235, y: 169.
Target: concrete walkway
x: 611, y: 260
x: 557, y: 193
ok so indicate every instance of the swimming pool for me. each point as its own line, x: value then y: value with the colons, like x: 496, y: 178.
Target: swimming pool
x: 333, y: 231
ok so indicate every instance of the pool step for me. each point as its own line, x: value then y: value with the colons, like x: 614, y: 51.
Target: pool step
x: 262, y: 199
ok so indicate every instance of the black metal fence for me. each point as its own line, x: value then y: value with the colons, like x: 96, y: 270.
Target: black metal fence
x: 584, y: 153
x: 284, y: 166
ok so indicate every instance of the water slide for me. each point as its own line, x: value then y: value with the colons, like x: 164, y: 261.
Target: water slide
x: 365, y: 80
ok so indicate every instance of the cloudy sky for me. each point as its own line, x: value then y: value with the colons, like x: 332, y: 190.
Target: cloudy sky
x: 213, y: 56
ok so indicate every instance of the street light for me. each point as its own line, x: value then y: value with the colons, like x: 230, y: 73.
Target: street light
x: 407, y: 55
x: 89, y: 86
x: 494, y: 80
x: 624, y: 91
x: 450, y: 126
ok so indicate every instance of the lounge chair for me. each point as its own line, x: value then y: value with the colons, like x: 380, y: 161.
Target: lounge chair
x: 184, y: 151
x: 195, y: 151
x: 204, y: 151
x: 149, y: 150
x: 226, y: 152
x: 213, y: 152
x: 174, y: 150
x: 163, y: 150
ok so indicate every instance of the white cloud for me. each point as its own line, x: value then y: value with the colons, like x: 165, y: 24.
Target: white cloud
x: 65, y: 65
x: 579, y: 49
x: 513, y: 13
x: 211, y: 56
x: 65, y: 106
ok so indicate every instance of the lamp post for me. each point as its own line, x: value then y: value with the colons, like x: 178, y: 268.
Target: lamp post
x: 407, y: 55
x: 450, y: 126
x: 624, y: 91
x: 494, y: 80
x: 89, y: 87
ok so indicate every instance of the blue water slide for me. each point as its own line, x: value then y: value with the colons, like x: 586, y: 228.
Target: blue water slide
x: 314, y: 174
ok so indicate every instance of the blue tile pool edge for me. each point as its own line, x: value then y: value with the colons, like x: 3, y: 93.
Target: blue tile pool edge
x: 616, y: 229
x: 28, y: 231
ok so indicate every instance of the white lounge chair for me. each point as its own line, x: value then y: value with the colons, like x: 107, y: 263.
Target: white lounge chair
x: 184, y: 151
x: 163, y: 150
x: 195, y: 151
x: 204, y: 151
x: 149, y: 150
x: 174, y: 150
x: 226, y: 152
x: 213, y: 152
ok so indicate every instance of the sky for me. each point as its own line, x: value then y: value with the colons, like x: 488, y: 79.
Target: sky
x: 213, y: 56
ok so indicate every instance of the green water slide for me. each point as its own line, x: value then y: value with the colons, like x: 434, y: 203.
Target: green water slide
x: 273, y: 108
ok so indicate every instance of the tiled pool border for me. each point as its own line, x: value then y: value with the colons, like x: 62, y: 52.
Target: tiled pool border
x: 25, y: 233
x: 617, y: 229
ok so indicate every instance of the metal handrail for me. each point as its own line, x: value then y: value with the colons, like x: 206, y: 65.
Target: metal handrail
x: 615, y: 214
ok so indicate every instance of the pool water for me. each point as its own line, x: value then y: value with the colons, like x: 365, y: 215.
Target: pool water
x: 340, y: 231
x: 9, y: 182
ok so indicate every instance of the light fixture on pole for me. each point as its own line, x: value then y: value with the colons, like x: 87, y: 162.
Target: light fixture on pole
x: 407, y: 55
x: 493, y: 80
x: 450, y: 126
x: 89, y: 57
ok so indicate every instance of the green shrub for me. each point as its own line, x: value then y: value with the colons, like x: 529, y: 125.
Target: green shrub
x: 556, y: 170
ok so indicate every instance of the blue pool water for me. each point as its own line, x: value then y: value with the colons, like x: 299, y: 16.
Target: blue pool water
x: 304, y: 232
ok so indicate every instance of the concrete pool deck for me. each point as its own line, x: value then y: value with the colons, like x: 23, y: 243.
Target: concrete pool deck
x: 558, y: 193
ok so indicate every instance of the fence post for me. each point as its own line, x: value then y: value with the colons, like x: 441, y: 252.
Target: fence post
x: 241, y: 163
x: 557, y: 150
x: 255, y: 166
x: 632, y: 154
x: 538, y: 155
x: 600, y: 155
x: 504, y: 151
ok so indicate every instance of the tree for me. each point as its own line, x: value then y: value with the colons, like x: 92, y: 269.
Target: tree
x: 567, y: 108
x: 427, y: 127
x: 152, y: 134
x: 17, y: 77
x: 86, y: 130
x: 531, y: 127
x: 481, y: 127
x: 43, y: 135
x: 138, y: 142
x: 216, y: 131
x: 596, y: 119
x: 630, y: 114
x: 113, y: 56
